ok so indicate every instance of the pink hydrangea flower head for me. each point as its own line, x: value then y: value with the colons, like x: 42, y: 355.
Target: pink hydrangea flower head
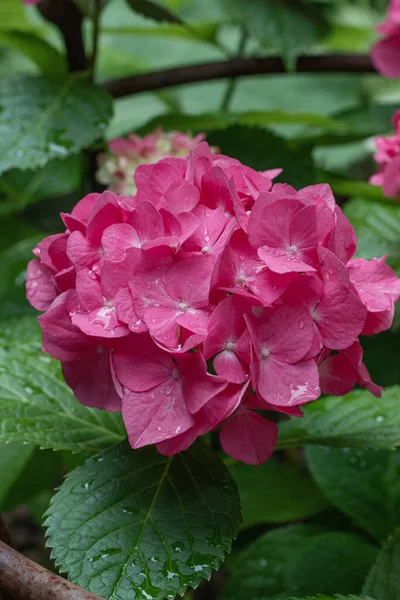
x: 117, y: 167
x: 387, y: 156
x: 211, y: 296
x: 386, y: 53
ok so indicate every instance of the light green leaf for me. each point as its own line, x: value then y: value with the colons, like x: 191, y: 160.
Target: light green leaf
x: 136, y: 524
x: 364, y: 484
x: 37, y: 407
x: 153, y: 10
x: 383, y: 579
x: 13, y: 459
x: 46, y: 57
x: 378, y: 229
x: 276, y: 492
x: 42, y: 119
x: 357, y: 420
x: 198, y: 31
x: 299, y: 560
x: 12, y: 15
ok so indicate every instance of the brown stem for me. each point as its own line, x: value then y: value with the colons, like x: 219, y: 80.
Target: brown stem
x: 4, y: 533
x: 68, y: 18
x: 237, y: 67
x: 26, y: 580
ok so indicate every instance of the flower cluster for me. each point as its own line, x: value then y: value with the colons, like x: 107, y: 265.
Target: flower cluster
x: 388, y: 158
x: 386, y: 53
x: 117, y: 167
x: 210, y: 296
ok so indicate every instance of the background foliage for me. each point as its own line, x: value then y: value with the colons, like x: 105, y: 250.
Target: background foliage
x: 322, y: 516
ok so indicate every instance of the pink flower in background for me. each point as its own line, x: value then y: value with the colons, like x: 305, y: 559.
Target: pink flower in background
x: 211, y: 283
x: 117, y: 167
x: 386, y: 53
x: 387, y: 156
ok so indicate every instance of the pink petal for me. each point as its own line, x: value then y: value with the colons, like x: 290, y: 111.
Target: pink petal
x: 91, y: 380
x: 105, y: 212
x: 82, y: 253
x: 147, y: 222
x: 338, y: 375
x: 340, y: 316
x: 343, y: 240
x: 198, y: 385
x: 376, y: 283
x: 391, y: 176
x: 285, y: 384
x: 152, y: 366
x: 248, y: 437
x: 182, y: 198
x: 386, y: 56
x: 40, y: 287
x: 377, y: 322
x: 117, y: 239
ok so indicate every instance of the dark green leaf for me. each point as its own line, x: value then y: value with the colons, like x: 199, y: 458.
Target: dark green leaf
x: 335, y: 597
x: 154, y: 10
x: 56, y: 178
x: 365, y: 484
x: 261, y: 149
x: 276, y: 492
x: 13, y: 459
x: 299, y: 560
x: 357, y: 420
x: 136, y: 524
x: 41, y: 472
x: 42, y: 119
x: 49, y: 60
x: 378, y: 229
x: 37, y: 407
x: 380, y: 356
x: 383, y: 579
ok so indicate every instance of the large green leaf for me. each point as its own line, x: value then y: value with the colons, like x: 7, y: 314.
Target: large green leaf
x: 43, y: 118
x: 357, y: 420
x: 383, y: 582
x: 12, y: 15
x: 13, y: 459
x: 335, y: 597
x: 299, y: 560
x: 44, y: 55
x: 263, y: 149
x: 365, y: 484
x: 136, y: 524
x: 276, y: 492
x: 37, y: 407
x: 378, y: 229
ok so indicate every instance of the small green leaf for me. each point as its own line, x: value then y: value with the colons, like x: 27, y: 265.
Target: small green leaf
x: 205, y: 32
x: 299, y: 560
x: 43, y: 118
x: 154, y: 10
x: 365, y: 484
x: 378, y: 229
x: 276, y: 492
x: 136, y: 524
x: 383, y: 579
x: 44, y: 55
x: 37, y: 407
x: 357, y: 420
x: 13, y: 459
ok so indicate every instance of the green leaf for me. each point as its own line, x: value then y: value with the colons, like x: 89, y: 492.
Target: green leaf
x: 364, y: 484
x: 41, y: 472
x: 42, y: 119
x: 335, y: 597
x: 383, y: 579
x: 378, y: 229
x: 206, y: 32
x: 13, y: 459
x: 276, y: 492
x: 290, y: 27
x: 46, y: 57
x: 12, y: 15
x: 380, y: 356
x: 136, y: 524
x: 299, y: 560
x: 261, y: 149
x: 56, y: 178
x: 154, y: 10
x: 357, y: 420
x: 37, y: 407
